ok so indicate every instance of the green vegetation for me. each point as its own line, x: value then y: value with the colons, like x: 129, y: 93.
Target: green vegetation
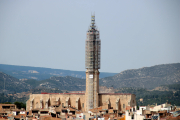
x: 5, y: 98
x: 173, y: 86
x: 14, y: 85
x: 11, y: 98
x: 155, y: 96
x: 20, y: 105
x: 146, y: 77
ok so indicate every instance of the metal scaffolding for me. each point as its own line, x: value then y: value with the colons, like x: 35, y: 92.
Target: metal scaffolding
x: 93, y: 47
x: 93, y: 50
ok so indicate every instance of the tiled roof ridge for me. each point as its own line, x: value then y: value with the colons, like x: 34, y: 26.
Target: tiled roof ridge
x: 65, y: 93
x: 84, y: 93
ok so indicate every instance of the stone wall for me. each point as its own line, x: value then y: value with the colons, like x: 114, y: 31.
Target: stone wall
x: 42, y: 101
x: 116, y: 101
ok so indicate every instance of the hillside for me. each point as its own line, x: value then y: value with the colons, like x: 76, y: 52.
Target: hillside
x: 147, y: 77
x: 63, y: 83
x: 170, y: 93
x: 39, y: 73
x: 9, y: 84
x: 19, y: 90
x: 163, y: 82
x: 24, y: 96
x: 14, y: 85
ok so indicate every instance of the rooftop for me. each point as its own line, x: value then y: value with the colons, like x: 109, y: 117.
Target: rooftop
x: 65, y: 93
x: 7, y: 104
x: 84, y: 93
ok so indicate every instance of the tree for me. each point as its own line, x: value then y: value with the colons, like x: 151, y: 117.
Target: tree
x: 20, y: 105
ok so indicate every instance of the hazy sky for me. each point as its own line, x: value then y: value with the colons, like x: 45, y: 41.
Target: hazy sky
x: 52, y: 33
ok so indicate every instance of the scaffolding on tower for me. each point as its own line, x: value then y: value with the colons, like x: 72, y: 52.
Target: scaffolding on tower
x: 92, y: 60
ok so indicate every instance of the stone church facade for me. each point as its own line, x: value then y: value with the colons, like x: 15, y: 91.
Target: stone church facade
x: 117, y: 101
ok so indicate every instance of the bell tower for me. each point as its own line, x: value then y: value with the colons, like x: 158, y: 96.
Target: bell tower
x: 92, y: 63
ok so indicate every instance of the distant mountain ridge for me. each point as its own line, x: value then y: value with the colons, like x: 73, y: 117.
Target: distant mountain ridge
x: 146, y: 77
x: 40, y: 73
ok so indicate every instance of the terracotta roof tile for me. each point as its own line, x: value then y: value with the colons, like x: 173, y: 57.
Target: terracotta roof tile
x: 128, y: 107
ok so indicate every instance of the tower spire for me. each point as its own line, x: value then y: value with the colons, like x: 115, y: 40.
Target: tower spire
x: 93, y: 26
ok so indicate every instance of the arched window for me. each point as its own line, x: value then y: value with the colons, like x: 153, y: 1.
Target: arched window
x: 123, y: 105
x: 37, y: 105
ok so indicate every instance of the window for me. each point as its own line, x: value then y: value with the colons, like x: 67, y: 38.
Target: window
x: 37, y: 105
x: 83, y: 105
x: 62, y: 104
x: 123, y: 105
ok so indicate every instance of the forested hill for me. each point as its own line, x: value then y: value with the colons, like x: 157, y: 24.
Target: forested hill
x: 131, y: 81
x: 159, y: 95
x: 9, y: 84
x: 40, y: 73
x: 146, y: 77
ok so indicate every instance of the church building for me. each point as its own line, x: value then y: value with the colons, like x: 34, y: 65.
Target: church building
x: 91, y: 98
